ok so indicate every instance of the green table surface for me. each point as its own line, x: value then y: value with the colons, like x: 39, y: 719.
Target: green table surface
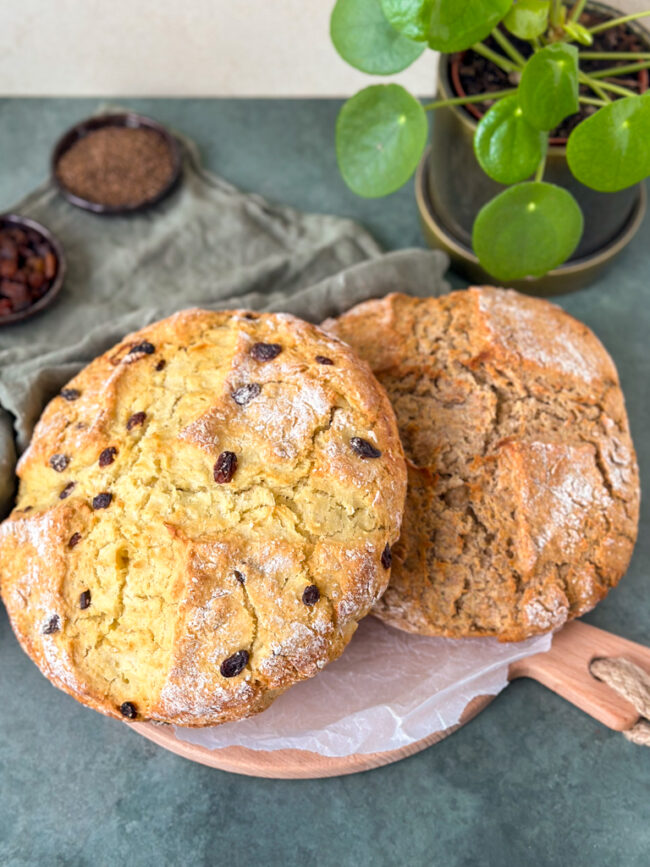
x: 531, y: 781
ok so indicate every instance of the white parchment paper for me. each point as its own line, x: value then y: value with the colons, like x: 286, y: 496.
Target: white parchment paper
x: 388, y: 690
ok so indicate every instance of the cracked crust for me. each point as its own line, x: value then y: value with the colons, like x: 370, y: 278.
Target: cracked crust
x: 523, y: 498
x: 182, y: 571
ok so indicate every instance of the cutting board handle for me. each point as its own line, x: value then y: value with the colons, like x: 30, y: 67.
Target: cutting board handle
x: 565, y: 670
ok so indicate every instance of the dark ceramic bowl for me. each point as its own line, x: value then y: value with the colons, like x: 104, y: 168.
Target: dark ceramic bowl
x: 127, y: 119
x: 45, y: 300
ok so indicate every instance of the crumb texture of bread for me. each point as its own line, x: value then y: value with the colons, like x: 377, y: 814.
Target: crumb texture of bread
x: 523, y: 489
x: 197, y: 527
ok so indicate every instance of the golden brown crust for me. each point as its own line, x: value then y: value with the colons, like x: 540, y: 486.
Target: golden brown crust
x: 185, y: 560
x: 523, y: 497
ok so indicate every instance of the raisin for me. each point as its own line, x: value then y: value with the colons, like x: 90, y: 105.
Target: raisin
x: 35, y: 281
x: 161, y: 364
x: 144, y: 348
x: 50, y: 265
x: 67, y: 490
x: 311, y: 595
x: 363, y: 448
x: 52, y: 625
x: 235, y: 664
x: 17, y: 293
x: 74, y: 540
x: 239, y: 576
x: 135, y: 420
x: 265, y: 351
x: 107, y: 456
x: 323, y: 359
x: 59, y: 462
x: 84, y: 600
x: 246, y: 393
x: 386, y: 557
x: 102, y: 501
x: 225, y: 467
x: 127, y: 709
x: 70, y: 394
x: 8, y: 268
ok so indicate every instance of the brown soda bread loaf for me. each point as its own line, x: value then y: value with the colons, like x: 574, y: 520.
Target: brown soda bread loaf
x: 523, y: 491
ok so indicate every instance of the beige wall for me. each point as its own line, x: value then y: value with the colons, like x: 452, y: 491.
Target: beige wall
x: 182, y: 47
x: 177, y: 47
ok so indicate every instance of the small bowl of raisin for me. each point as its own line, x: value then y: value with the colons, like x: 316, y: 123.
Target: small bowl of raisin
x: 32, y: 268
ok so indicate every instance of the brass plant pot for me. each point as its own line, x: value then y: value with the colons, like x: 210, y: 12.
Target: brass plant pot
x: 451, y: 188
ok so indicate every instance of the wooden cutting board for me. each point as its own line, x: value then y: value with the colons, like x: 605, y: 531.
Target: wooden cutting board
x: 563, y: 669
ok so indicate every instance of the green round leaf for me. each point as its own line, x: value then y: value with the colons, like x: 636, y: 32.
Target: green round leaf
x: 527, y: 230
x: 457, y: 24
x: 410, y: 17
x: 508, y: 148
x: 381, y: 133
x: 610, y: 150
x: 548, y: 90
x: 364, y: 38
x: 528, y: 18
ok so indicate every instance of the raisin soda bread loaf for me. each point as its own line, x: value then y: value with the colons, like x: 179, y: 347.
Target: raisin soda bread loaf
x: 523, y: 497
x: 204, y: 514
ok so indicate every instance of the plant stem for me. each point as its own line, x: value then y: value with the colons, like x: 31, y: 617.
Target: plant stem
x: 587, y: 100
x: 593, y: 85
x: 615, y: 88
x: 556, y: 7
x: 615, y: 55
x: 576, y: 11
x: 498, y: 59
x: 464, y: 100
x: 508, y: 47
x: 616, y: 71
x: 539, y: 173
x: 616, y: 21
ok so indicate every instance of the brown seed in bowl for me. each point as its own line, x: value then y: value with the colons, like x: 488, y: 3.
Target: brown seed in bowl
x: 117, y: 166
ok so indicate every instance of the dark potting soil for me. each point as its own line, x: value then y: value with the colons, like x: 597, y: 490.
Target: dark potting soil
x: 479, y: 75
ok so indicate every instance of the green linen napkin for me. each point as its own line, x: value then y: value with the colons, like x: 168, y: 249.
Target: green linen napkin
x: 208, y: 245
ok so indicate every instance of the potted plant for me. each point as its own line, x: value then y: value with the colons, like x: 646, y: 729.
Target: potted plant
x: 541, y: 130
